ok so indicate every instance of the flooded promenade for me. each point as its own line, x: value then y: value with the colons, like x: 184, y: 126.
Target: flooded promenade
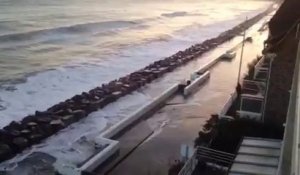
x: 154, y: 143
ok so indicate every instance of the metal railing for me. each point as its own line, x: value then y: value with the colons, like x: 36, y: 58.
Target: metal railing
x: 289, y: 159
x: 190, y: 165
x: 214, y: 156
x: 209, y: 155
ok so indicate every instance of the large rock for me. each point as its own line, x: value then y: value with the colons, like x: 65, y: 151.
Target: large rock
x: 27, y: 119
x: 92, y: 107
x: 35, y: 138
x: 117, y: 94
x: 79, y: 114
x: 20, y: 143
x: 5, y: 152
x: 107, y: 99
x: 68, y: 119
x: 57, y: 107
x: 32, y: 124
x: 44, y: 120
x: 85, y: 94
x: 5, y: 136
x: 65, y: 111
x: 76, y: 98
x: 14, y: 133
x: 57, y: 124
x: 13, y: 126
x: 47, y: 129
x: 8, y: 136
x: 25, y: 132
x: 42, y: 114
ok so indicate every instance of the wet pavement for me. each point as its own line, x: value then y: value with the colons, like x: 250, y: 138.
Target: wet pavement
x: 179, y: 121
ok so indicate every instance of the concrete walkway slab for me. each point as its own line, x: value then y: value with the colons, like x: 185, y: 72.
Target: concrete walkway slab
x: 129, y: 141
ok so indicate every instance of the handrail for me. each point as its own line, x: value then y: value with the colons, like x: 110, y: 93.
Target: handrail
x: 258, y: 66
x: 202, y: 148
x: 189, y: 166
x: 295, y: 168
x: 288, y: 164
x: 207, y: 153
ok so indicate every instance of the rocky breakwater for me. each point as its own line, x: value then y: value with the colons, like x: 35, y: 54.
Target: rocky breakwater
x: 19, y: 135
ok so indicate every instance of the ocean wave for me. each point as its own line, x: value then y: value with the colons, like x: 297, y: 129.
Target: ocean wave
x: 69, y: 30
x: 160, y: 38
x: 180, y: 14
x: 175, y: 14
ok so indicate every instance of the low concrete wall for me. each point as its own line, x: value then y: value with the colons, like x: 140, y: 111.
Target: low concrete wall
x: 227, y: 105
x: 93, y: 162
x: 102, y: 156
x: 117, y: 128
x: 196, y: 83
x: 106, y: 136
x: 208, y: 65
x: 99, y: 158
x: 113, y: 145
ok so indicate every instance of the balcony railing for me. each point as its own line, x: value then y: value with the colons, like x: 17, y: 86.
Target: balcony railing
x: 289, y: 159
x: 189, y: 166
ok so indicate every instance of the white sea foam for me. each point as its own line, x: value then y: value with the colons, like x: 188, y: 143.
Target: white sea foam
x: 45, y: 89
x: 82, y: 62
x: 59, y: 147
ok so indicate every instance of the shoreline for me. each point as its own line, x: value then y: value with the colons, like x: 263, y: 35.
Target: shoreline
x: 41, y: 125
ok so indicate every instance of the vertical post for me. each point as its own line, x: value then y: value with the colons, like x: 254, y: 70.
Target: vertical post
x: 295, y: 155
x: 288, y: 163
x: 242, y: 54
x: 267, y: 89
x: 238, y: 85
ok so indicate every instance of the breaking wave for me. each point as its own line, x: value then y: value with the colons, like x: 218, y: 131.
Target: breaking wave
x: 71, y: 30
x: 179, y: 14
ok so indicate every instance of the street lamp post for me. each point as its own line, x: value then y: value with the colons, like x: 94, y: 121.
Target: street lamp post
x: 241, y: 58
x: 238, y: 86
